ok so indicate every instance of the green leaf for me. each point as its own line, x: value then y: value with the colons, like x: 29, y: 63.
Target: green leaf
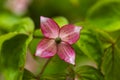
x: 85, y: 5
x: 33, y: 45
x: 111, y: 57
x: 56, y: 69
x: 6, y: 37
x: 61, y: 21
x: 2, y: 38
x: 7, y: 21
x: 82, y: 59
x: 105, y: 15
x: 118, y: 42
x: 104, y: 36
x: 25, y: 25
x: 90, y: 45
x: 13, y: 48
x: 116, y: 36
x: 111, y: 64
x: 27, y: 75
x: 88, y: 73
x: 37, y: 36
x: 54, y: 77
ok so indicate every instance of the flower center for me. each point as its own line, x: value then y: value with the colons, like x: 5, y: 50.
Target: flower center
x: 57, y: 40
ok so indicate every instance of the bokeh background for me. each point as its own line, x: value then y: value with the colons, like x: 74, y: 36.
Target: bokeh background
x: 90, y: 14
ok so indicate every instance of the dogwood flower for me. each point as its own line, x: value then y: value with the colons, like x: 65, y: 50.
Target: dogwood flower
x: 57, y: 40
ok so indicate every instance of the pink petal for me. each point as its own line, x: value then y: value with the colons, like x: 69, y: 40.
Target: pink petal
x: 70, y: 33
x: 66, y: 52
x: 46, y: 48
x: 49, y: 27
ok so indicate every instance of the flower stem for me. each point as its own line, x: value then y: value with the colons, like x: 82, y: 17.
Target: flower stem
x: 43, y: 69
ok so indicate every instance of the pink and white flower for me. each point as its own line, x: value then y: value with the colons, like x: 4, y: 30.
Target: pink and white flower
x: 57, y: 40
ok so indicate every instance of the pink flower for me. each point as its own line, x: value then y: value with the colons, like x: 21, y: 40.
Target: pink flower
x: 57, y: 40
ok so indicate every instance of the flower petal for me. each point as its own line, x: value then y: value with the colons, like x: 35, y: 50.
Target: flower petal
x: 70, y: 33
x: 49, y: 27
x: 66, y: 52
x: 46, y: 48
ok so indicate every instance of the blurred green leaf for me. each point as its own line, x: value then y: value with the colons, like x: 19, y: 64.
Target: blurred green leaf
x: 2, y: 38
x: 54, y: 77
x: 111, y: 64
x: 82, y: 59
x: 25, y: 25
x: 7, y: 21
x: 88, y: 73
x: 85, y: 6
x: 14, y: 45
x: 6, y: 37
x: 111, y: 56
x: 13, y: 48
x: 105, y: 15
x: 105, y: 36
x: 116, y: 36
x: 90, y: 45
x: 56, y: 69
x: 33, y: 45
x: 61, y: 21
x: 38, y: 34
x: 27, y: 75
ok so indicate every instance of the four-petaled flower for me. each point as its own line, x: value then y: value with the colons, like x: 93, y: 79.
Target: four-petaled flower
x: 57, y: 40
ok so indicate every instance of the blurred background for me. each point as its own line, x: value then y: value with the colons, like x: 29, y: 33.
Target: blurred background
x: 73, y: 10
x: 102, y: 14
x: 98, y: 12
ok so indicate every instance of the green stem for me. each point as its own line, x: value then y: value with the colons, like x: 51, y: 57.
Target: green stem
x: 43, y: 69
